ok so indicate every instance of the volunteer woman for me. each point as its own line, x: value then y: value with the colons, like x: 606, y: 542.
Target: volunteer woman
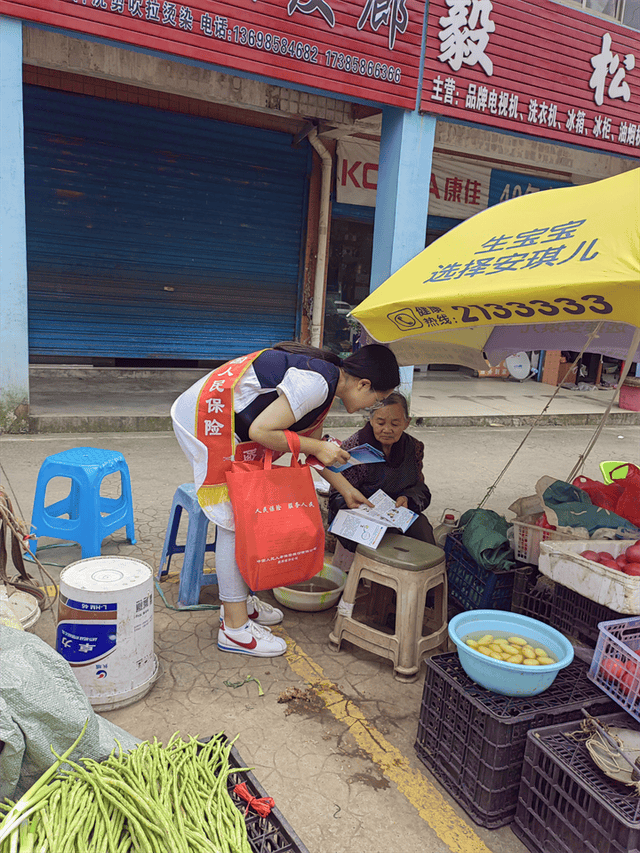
x: 288, y: 387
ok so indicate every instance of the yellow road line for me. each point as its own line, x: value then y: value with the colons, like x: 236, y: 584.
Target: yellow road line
x: 430, y: 804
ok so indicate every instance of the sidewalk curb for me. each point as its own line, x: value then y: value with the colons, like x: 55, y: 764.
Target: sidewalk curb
x: 40, y: 425
x: 569, y: 419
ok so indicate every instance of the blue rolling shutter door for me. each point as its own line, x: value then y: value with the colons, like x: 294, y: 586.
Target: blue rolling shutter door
x: 153, y: 234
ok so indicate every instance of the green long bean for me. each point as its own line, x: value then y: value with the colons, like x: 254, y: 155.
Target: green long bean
x: 166, y: 799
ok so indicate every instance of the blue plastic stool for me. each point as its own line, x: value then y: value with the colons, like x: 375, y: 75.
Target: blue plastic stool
x: 86, y: 467
x: 192, y: 575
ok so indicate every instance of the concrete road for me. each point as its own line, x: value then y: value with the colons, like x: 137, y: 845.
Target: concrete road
x: 339, y: 760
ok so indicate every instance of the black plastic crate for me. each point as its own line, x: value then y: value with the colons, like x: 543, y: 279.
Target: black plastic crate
x: 538, y: 596
x: 534, y: 595
x: 473, y: 740
x: 472, y: 586
x: 581, y: 615
x: 566, y: 804
x: 270, y: 834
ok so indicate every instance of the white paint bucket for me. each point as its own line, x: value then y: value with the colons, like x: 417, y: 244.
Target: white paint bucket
x: 105, y: 629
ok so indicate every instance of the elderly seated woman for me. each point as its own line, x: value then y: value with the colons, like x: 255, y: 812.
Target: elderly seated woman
x: 400, y: 475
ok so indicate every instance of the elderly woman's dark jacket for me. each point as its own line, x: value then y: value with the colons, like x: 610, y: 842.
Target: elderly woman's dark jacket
x: 400, y: 474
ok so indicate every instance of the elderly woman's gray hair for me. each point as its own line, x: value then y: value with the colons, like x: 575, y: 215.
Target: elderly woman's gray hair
x: 395, y: 398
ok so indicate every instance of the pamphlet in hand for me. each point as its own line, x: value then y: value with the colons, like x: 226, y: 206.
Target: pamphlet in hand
x: 360, y: 455
x: 369, y: 524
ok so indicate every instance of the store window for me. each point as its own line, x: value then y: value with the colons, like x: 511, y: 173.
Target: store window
x: 349, y: 272
x: 348, y: 279
x: 625, y: 11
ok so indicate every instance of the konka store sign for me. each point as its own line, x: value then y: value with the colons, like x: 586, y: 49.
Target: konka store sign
x: 544, y: 69
x: 366, y: 48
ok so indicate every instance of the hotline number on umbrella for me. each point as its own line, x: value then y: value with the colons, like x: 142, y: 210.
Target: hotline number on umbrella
x: 491, y: 310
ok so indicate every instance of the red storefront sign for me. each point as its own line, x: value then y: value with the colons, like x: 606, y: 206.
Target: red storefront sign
x: 368, y: 49
x: 546, y: 69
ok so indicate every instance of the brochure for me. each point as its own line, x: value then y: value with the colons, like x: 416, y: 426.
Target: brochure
x: 368, y: 525
x: 360, y: 455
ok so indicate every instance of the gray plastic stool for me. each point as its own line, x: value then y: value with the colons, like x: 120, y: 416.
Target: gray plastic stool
x: 411, y: 568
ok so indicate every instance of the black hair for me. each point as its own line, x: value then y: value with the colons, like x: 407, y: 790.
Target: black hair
x: 313, y: 352
x: 395, y: 399
x: 373, y: 362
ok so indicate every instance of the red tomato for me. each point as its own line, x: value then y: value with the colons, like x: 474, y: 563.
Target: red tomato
x: 615, y: 673
x: 632, y: 569
x: 604, y: 555
x: 631, y: 680
x: 621, y: 561
x: 611, y: 564
x: 544, y: 523
x: 590, y: 555
x: 633, y: 553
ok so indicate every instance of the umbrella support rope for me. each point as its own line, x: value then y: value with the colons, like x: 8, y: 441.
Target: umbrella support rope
x: 633, y: 348
x: 491, y: 489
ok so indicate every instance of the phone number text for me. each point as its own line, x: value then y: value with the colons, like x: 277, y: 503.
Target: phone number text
x: 306, y: 52
x: 490, y: 310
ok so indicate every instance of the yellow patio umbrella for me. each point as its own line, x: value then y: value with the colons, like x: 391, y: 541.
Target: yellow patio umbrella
x: 538, y: 272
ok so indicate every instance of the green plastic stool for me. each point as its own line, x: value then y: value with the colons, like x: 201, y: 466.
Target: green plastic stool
x: 607, y: 467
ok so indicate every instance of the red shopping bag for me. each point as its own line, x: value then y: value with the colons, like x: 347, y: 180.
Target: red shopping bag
x: 279, y: 534
x: 605, y: 495
x: 622, y: 496
x: 628, y: 505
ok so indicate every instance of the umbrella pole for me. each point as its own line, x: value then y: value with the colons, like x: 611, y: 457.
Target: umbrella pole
x: 633, y: 348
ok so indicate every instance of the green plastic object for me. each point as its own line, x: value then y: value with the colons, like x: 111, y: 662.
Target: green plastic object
x: 607, y: 467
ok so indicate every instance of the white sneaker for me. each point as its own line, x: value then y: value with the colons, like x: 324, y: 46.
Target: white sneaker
x: 251, y: 639
x: 263, y: 613
x: 260, y: 612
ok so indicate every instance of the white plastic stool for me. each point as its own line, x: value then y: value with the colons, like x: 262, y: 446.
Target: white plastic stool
x: 411, y: 568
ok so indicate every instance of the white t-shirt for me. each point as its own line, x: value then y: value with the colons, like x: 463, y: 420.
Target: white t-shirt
x: 305, y: 390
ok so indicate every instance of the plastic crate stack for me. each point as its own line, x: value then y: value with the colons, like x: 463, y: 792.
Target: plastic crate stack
x: 541, y: 598
x: 473, y: 740
x: 536, y: 595
x: 471, y: 586
x: 566, y: 804
x: 527, y: 539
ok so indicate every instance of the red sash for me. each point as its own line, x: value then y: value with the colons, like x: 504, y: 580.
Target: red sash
x: 215, y: 428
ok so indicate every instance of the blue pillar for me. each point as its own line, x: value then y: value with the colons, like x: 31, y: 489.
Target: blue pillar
x: 402, y: 197
x: 14, y: 345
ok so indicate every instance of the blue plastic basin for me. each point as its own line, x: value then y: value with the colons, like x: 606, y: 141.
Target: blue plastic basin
x: 509, y: 679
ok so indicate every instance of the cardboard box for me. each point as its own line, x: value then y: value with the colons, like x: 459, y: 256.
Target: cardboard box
x: 556, y: 370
